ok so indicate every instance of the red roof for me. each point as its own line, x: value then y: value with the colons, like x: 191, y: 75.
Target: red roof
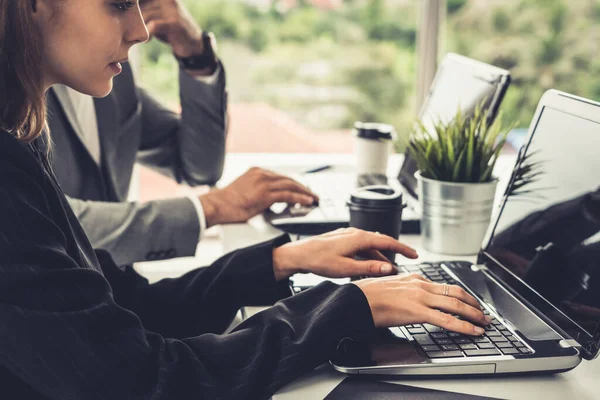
x: 261, y: 128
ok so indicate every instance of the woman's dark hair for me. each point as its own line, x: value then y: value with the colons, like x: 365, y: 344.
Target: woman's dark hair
x: 22, y: 97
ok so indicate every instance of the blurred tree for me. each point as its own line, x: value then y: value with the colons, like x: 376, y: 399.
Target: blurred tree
x: 328, y: 68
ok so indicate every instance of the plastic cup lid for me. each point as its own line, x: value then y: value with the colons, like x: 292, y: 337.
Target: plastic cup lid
x: 374, y: 130
x: 376, y: 196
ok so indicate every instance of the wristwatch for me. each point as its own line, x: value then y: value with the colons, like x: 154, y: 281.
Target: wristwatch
x: 208, y: 58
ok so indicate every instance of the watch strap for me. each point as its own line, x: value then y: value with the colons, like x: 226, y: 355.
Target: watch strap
x: 208, y: 58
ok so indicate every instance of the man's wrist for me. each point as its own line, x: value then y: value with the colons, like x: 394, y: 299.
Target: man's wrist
x: 200, y: 63
x: 190, y: 47
x: 211, y: 208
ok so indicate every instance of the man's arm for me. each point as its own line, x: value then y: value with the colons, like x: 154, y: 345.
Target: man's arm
x: 189, y: 149
x: 134, y: 232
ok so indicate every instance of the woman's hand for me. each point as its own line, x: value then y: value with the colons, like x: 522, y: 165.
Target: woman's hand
x: 332, y: 255
x: 412, y: 299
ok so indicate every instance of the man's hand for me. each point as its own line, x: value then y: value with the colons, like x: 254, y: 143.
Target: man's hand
x: 170, y: 22
x: 251, y: 194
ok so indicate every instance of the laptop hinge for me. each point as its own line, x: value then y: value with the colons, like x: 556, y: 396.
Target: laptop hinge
x: 567, y: 343
x: 479, y: 267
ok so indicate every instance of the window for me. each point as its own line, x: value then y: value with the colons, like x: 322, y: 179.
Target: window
x: 544, y: 43
x: 301, y: 72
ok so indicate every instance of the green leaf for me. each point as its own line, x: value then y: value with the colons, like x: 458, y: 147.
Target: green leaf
x: 461, y: 150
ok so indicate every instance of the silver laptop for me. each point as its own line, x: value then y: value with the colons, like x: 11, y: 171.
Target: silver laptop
x: 537, y: 274
x: 460, y: 82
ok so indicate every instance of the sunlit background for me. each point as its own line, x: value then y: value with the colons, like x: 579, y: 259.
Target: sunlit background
x: 300, y: 72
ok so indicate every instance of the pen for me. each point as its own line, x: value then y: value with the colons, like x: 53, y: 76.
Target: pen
x: 317, y: 169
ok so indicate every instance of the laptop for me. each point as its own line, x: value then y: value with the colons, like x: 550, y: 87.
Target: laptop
x: 537, y: 274
x: 460, y: 82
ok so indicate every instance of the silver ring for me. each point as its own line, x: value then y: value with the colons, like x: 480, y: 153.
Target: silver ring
x: 446, y: 289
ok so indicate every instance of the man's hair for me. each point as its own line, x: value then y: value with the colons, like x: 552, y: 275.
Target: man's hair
x: 22, y: 97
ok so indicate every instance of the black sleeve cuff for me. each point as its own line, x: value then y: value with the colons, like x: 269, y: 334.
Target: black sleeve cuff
x: 255, y: 281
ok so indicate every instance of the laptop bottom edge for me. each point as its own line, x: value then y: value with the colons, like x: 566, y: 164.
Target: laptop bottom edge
x: 489, y: 366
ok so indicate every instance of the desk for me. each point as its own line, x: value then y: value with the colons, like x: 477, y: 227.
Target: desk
x: 582, y: 383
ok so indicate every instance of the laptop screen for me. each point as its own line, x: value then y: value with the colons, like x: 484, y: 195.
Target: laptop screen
x: 548, y: 233
x: 460, y: 83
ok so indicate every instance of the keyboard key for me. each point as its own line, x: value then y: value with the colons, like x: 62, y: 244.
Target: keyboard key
x: 505, y: 345
x: 512, y: 338
x: 447, y: 347
x: 493, y: 334
x: 433, y: 347
x: 444, y: 341
x: 470, y: 346
x: 439, y: 335
x: 510, y: 350
x: 486, y: 345
x: 455, y: 334
x: 432, y: 328
x: 524, y: 350
x: 482, y: 352
x: 423, y: 339
x: 498, y: 339
x: 445, y: 354
x: 413, y: 331
x: 463, y: 340
x: 480, y: 339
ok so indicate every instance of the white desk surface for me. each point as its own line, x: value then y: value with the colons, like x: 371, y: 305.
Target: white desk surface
x: 582, y: 383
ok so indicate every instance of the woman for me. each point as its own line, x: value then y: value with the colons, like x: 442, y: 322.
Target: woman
x: 74, y: 326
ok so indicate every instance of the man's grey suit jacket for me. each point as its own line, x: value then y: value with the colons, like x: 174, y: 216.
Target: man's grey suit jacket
x: 134, y: 127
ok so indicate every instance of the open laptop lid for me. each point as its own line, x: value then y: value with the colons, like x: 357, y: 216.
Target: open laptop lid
x: 460, y: 82
x: 545, y: 242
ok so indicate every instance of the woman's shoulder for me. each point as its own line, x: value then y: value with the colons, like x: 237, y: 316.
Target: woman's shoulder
x: 21, y: 172
x: 17, y: 155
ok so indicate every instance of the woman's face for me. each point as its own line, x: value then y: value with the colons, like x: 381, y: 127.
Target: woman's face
x: 86, y: 40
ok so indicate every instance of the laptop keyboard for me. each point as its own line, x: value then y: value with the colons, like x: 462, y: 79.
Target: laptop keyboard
x: 333, y: 189
x: 437, y: 342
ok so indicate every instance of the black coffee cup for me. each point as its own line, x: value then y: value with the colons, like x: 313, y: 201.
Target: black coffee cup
x: 377, y: 208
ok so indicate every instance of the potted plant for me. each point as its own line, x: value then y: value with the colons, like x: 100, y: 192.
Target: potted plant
x: 456, y: 185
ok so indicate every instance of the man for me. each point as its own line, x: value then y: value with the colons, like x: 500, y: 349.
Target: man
x: 98, y: 141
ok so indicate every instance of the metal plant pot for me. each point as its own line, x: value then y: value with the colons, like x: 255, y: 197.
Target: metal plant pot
x: 455, y: 216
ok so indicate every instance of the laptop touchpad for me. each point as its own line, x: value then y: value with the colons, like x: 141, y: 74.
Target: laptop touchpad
x: 384, y: 349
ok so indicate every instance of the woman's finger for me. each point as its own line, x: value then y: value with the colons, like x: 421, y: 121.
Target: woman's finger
x: 444, y: 289
x: 373, y: 255
x: 453, y: 305
x: 349, y: 267
x: 371, y: 240
x: 447, y: 321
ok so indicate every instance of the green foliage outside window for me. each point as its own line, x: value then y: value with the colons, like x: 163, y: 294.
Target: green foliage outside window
x: 331, y: 68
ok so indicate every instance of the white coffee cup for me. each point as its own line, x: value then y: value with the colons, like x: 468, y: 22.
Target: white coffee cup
x: 373, y: 146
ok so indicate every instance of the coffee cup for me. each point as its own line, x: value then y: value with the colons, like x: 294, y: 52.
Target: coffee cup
x: 377, y: 208
x: 372, y: 147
